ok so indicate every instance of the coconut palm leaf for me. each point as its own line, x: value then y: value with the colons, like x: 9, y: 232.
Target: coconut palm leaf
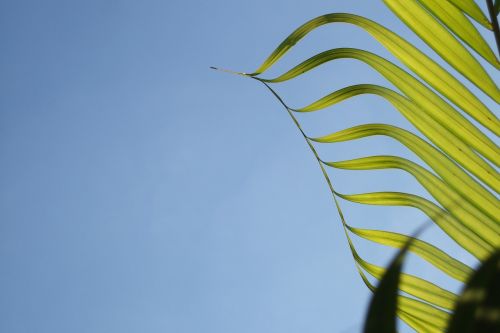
x: 463, y: 179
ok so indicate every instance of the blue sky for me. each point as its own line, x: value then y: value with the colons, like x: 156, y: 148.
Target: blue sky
x: 143, y: 192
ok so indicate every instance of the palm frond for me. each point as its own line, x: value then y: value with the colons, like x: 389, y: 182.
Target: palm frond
x: 463, y: 158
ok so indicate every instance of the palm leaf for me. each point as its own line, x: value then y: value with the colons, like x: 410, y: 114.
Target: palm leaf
x: 454, y: 19
x: 444, y: 43
x: 470, y: 8
x: 463, y: 179
x: 438, y: 258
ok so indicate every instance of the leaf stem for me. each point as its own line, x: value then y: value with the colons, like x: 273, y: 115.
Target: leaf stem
x: 311, y: 146
x: 494, y: 23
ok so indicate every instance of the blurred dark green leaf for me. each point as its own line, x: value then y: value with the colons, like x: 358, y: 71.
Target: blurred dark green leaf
x: 381, y: 316
x: 478, y: 308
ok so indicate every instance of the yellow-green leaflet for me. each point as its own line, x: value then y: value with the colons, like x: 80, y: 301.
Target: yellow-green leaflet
x: 449, y: 265
x: 416, y: 324
x: 458, y: 206
x: 470, y: 8
x: 417, y: 61
x: 411, y: 284
x: 416, y: 91
x: 445, y: 168
x: 425, y: 314
x: 456, y: 21
x: 410, y: 319
x: 431, y: 122
x: 417, y: 287
x: 443, y: 42
x: 453, y: 228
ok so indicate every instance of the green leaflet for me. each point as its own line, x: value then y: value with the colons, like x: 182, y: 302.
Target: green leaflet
x: 415, y: 90
x: 463, y: 236
x: 470, y: 8
x: 458, y: 206
x: 443, y: 42
x: 417, y: 61
x: 425, y: 315
x: 411, y: 284
x: 416, y: 324
x: 433, y: 123
x: 428, y: 252
x: 445, y: 168
x: 497, y: 7
x: 456, y: 21
x: 410, y: 319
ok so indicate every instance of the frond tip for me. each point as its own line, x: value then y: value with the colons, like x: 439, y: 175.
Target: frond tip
x: 228, y: 71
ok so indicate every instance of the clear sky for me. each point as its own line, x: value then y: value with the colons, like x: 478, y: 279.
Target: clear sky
x: 141, y: 191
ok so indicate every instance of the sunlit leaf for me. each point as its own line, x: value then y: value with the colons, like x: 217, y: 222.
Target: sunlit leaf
x: 458, y: 206
x: 472, y: 9
x: 419, y: 94
x: 444, y: 167
x: 430, y: 253
x: 443, y: 42
x: 456, y: 21
x: 411, y: 284
x: 416, y: 60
